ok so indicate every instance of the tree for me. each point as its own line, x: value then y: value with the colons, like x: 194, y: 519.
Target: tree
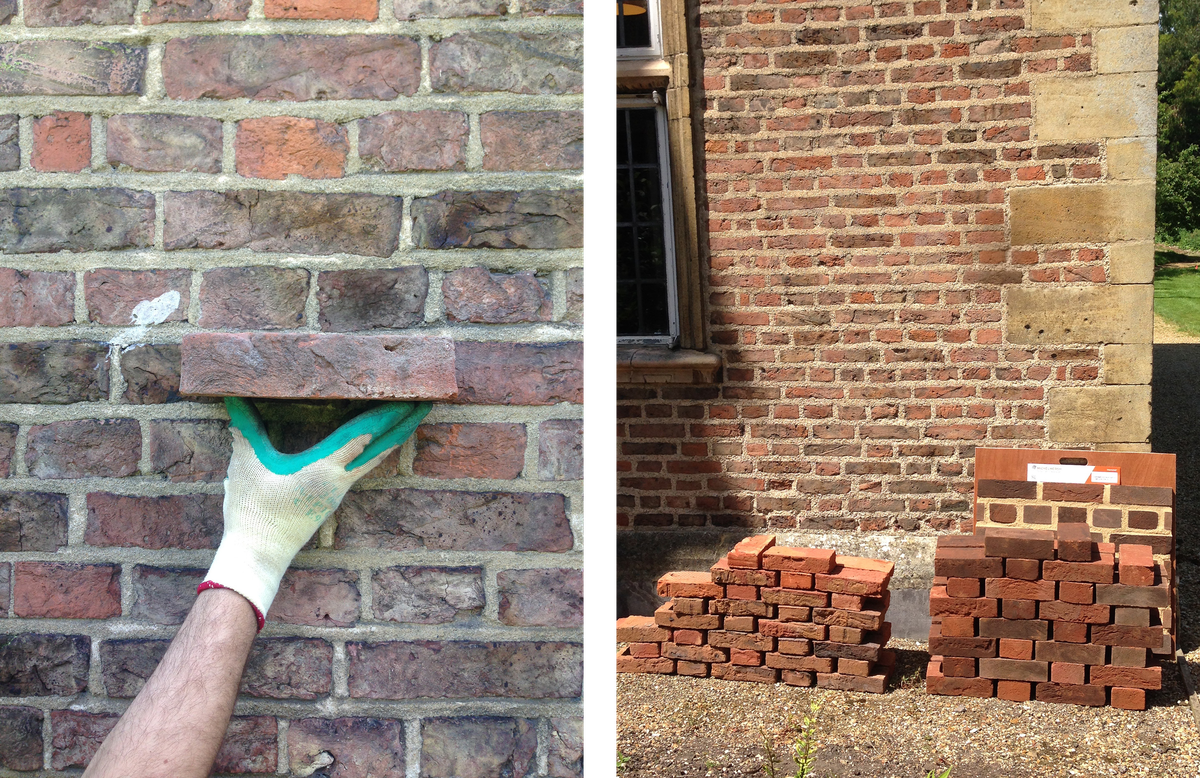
x: 1178, y: 40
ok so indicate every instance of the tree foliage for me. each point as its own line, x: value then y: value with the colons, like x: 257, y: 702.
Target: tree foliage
x: 1178, y: 192
x: 1178, y: 195
x: 1179, y: 39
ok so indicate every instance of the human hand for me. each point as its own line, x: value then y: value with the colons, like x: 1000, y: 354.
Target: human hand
x: 274, y: 502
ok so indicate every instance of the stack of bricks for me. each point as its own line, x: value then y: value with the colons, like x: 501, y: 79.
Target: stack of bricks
x: 1021, y: 614
x: 767, y: 613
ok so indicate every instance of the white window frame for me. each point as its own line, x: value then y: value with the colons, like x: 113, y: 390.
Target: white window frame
x: 656, y: 100
x: 654, y: 50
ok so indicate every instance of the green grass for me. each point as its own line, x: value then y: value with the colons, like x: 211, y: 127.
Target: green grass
x: 1177, y: 296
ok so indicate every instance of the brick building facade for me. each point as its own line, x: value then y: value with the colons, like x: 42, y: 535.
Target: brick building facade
x: 925, y: 227
x: 353, y: 167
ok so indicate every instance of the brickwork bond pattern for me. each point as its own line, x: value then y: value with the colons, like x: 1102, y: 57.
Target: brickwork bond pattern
x: 356, y: 167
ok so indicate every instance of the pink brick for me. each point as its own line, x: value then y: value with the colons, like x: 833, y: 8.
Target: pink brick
x: 532, y: 140
x: 327, y: 365
x: 59, y: 590
x: 400, y: 141
x: 280, y: 146
x: 36, y: 298
x: 362, y: 10
x: 470, y: 450
x: 62, y: 142
x: 112, y: 295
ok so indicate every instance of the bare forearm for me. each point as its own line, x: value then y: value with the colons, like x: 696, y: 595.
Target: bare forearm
x: 174, y: 728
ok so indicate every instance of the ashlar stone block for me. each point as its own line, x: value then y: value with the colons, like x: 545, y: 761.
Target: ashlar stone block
x: 1127, y: 49
x: 1099, y: 414
x: 1091, y: 213
x: 1075, y: 16
x: 1114, y: 105
x: 1095, y: 314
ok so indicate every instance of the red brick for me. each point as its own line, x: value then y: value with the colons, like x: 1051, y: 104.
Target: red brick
x: 644, y: 650
x: 262, y: 297
x: 77, y: 735
x: 550, y: 597
x: 1014, y: 669
x: 642, y: 629
x: 872, y: 684
x: 519, y: 373
x: 151, y: 374
x: 326, y: 365
x: 803, y: 663
x: 536, y: 219
x: 936, y: 683
x: 745, y: 658
x: 281, y: 146
x: 852, y: 602
x: 179, y: 521
x: 35, y: 298
x: 427, y: 595
x: 532, y: 140
x: 690, y: 606
x: 1100, y: 571
x: 964, y: 587
x: 470, y: 451
x: 1012, y: 588
x: 792, y: 629
x: 1128, y: 656
x: 84, y: 448
x: 1019, y: 629
x: 737, y: 592
x: 857, y: 667
x: 522, y: 63
x: 1077, y: 593
x: 1074, y: 540
x: 798, y: 678
x: 59, y: 590
x: 379, y: 67
x: 795, y: 580
x: 1021, y: 543
x: 793, y: 613
x: 319, y: 598
x: 968, y: 562
x: 801, y: 597
x: 1024, y: 569
x: 849, y: 580
x: 868, y: 620
x: 1012, y: 648
x: 748, y: 553
x: 32, y: 521
x: 1132, y: 677
x: 847, y: 635
x: 162, y: 11
x: 164, y: 595
x: 1072, y: 653
x: 363, y: 10
x: 941, y: 605
x: 688, y: 637
x: 732, y: 672
x: 399, y: 141
x: 956, y: 646
x: 864, y: 563
x: 161, y: 143
x: 1133, y: 596
x: 664, y: 616
x: 62, y: 142
x: 1076, y: 695
x: 473, y: 294
x: 741, y: 623
x: 354, y: 300
x: 630, y: 664
x: 799, y: 560
x: 958, y: 626
x: 47, y: 13
x: 794, y: 646
x: 1065, y: 672
x: 1084, y: 614
x: 740, y: 640
x: 1128, y: 699
x: 688, y: 584
x: 1070, y: 632
x: 250, y: 746
x: 724, y: 574
x: 1015, y: 691
x: 959, y: 666
x: 560, y: 450
x: 112, y: 295
x: 1136, y: 564
x: 688, y: 653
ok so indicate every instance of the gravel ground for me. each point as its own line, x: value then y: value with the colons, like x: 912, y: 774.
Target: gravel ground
x: 679, y: 726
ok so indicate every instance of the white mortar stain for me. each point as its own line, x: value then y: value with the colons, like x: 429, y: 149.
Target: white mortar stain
x: 146, y: 314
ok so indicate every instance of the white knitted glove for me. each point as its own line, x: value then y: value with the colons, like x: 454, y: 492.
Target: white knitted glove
x: 275, y: 502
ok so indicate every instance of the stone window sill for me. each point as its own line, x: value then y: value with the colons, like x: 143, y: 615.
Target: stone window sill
x: 661, y: 365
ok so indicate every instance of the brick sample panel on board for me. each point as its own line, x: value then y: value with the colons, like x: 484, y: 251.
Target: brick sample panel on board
x: 1026, y: 614
x: 767, y: 613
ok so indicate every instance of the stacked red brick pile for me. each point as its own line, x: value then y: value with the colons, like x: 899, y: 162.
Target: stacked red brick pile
x: 768, y: 613
x: 1022, y: 614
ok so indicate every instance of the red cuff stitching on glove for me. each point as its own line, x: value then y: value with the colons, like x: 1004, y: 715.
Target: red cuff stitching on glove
x: 214, y: 585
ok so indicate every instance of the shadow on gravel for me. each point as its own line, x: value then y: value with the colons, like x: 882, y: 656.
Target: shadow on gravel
x: 911, y: 665
x: 1175, y: 429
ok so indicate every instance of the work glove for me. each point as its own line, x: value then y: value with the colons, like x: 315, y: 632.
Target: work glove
x: 274, y: 502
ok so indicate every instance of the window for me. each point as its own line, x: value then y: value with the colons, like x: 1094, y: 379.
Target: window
x: 637, y: 28
x: 646, y: 311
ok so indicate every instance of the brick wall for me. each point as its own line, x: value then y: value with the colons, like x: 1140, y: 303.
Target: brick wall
x: 928, y: 229
x: 350, y: 167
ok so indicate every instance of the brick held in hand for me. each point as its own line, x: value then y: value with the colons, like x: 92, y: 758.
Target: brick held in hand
x: 1135, y: 564
x: 1099, y: 571
x: 1075, y: 543
x: 665, y: 616
x: 851, y: 580
x: 1016, y: 589
x: 1020, y: 543
x: 1133, y: 677
x: 1057, y: 610
x: 1128, y: 699
x: 1133, y: 596
x: 1116, y: 635
x: 1074, y: 694
x: 630, y: 664
x: 640, y: 629
x: 941, y: 605
x: 936, y: 683
x: 722, y: 573
x: 732, y: 672
x: 748, y: 553
x: 798, y: 560
x: 687, y: 583
x: 811, y: 664
x: 967, y: 562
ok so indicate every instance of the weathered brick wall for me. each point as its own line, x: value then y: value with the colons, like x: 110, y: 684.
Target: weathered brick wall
x: 928, y: 229
x: 350, y: 167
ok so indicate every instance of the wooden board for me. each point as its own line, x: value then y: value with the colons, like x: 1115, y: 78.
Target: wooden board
x: 1137, y: 468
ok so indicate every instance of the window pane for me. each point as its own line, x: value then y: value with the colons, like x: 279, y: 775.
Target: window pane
x: 655, y: 320
x: 651, y: 262
x: 643, y: 136
x: 624, y: 198
x: 627, y: 308
x: 647, y: 195
x: 626, y: 254
x: 633, y: 24
x: 622, y: 140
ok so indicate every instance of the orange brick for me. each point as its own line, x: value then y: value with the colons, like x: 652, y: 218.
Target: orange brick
x: 964, y: 587
x: 644, y: 650
x: 688, y: 583
x: 62, y: 142
x: 860, y: 667
x: 745, y: 657
x: 688, y: 637
x: 1016, y: 691
x: 796, y: 580
x: 738, y: 592
x: 748, y: 553
x: 1128, y: 699
x: 279, y: 146
x: 640, y: 629
x: 958, y: 626
x: 1067, y: 672
x: 740, y: 623
x: 363, y: 10
x: 1011, y: 648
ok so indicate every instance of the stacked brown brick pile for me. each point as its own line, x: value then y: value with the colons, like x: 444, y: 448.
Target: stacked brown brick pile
x: 1055, y: 616
x: 768, y: 613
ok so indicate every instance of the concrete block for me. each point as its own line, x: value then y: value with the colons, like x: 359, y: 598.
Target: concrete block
x: 1078, y: 15
x: 1131, y: 262
x: 1117, y: 105
x: 1066, y: 315
x: 1127, y: 363
x: 1132, y: 158
x: 1099, y: 414
x: 1087, y: 213
x: 1127, y: 49
x: 326, y: 366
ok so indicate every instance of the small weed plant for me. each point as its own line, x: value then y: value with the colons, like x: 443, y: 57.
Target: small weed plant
x: 935, y: 774
x: 622, y: 761
x: 804, y: 750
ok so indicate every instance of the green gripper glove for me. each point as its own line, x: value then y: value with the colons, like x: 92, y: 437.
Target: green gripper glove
x: 274, y: 502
